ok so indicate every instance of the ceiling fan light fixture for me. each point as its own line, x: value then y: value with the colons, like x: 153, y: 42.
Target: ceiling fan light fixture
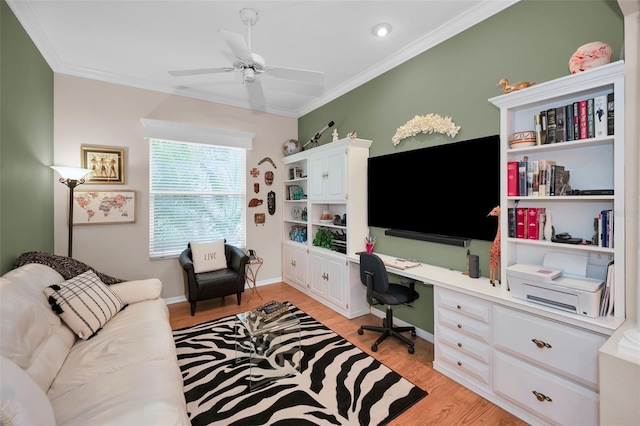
x: 381, y: 30
x: 249, y: 75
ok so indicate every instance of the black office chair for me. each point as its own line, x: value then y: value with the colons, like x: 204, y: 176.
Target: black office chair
x: 380, y: 292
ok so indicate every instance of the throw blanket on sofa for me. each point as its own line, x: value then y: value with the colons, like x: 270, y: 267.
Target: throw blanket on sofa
x: 65, y: 266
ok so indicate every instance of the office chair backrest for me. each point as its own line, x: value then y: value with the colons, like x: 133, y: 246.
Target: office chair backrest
x: 371, y: 264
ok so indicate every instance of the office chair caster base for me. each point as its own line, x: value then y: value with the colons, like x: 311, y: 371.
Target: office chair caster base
x: 360, y: 331
x: 374, y: 347
x: 411, y: 350
x: 413, y: 333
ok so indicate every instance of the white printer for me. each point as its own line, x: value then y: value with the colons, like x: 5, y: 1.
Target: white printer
x: 551, y: 286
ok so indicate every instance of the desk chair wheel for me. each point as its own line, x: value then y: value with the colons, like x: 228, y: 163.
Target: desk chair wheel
x: 413, y: 333
x: 411, y: 350
x: 360, y: 332
x: 374, y: 347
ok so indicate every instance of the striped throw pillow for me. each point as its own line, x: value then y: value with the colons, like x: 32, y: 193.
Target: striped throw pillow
x: 84, y: 303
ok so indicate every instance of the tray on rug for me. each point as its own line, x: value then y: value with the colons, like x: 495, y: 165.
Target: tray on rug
x: 338, y: 384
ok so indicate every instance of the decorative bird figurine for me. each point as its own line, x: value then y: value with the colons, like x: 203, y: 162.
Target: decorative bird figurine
x: 508, y: 88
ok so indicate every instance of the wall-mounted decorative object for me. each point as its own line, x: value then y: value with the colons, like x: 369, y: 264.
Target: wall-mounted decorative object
x: 255, y: 202
x: 271, y: 202
x: 268, y: 177
x: 427, y: 124
x: 256, y: 187
x: 259, y: 218
x: 106, y: 164
x: 255, y: 172
x: 104, y: 207
x: 267, y: 159
x: 590, y: 55
x: 508, y: 88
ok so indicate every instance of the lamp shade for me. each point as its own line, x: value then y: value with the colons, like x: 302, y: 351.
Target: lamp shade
x: 72, y: 173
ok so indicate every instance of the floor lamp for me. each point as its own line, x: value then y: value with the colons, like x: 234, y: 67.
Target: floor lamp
x: 72, y: 177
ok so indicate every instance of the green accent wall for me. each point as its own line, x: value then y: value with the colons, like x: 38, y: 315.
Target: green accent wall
x: 530, y: 41
x: 26, y: 144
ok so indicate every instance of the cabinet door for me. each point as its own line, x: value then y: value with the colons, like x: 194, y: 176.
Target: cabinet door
x: 335, y: 182
x: 327, y: 176
x: 300, y: 263
x: 337, y: 282
x: 317, y: 274
x: 288, y: 262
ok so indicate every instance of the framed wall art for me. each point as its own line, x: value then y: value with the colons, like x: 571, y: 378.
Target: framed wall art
x: 104, y: 207
x: 106, y: 164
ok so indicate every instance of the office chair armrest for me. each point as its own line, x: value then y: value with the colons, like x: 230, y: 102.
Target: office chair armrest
x: 410, y: 282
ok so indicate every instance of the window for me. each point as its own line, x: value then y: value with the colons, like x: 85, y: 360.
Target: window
x: 197, y: 193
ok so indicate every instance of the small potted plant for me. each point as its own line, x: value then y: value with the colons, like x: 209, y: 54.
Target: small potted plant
x: 323, y: 238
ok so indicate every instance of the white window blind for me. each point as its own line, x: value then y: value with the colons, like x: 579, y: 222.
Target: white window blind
x: 197, y: 193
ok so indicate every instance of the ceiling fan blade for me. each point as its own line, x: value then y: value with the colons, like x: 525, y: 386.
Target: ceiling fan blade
x: 182, y: 73
x: 238, y: 46
x: 256, y: 95
x: 310, y: 77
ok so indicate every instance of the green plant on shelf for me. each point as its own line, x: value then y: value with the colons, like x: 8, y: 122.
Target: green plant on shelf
x: 323, y: 238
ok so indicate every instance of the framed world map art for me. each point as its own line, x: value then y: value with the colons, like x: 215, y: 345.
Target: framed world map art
x: 104, y: 207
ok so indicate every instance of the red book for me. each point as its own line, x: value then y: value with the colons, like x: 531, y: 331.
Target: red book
x: 521, y: 222
x: 512, y: 179
x: 584, y: 124
x: 533, y: 223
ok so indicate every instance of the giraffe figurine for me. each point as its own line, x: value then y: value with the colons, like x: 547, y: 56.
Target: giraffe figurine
x: 494, y: 251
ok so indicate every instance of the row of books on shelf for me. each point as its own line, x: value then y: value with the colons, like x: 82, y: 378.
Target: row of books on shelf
x: 603, y: 229
x: 526, y: 222
x: 588, y: 118
x: 537, y: 178
x: 295, y: 192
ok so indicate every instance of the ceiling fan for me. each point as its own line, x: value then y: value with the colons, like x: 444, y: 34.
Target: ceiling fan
x: 252, y: 65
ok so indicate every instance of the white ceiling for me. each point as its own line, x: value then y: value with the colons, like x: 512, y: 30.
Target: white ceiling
x: 137, y: 42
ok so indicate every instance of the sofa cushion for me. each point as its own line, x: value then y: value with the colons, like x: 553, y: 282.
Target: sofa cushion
x: 33, y: 337
x: 84, y: 303
x: 208, y: 257
x: 22, y: 402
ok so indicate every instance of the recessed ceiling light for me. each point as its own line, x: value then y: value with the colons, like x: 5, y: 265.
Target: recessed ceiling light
x: 381, y: 30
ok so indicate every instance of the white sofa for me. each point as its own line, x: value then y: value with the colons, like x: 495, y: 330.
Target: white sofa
x: 126, y: 374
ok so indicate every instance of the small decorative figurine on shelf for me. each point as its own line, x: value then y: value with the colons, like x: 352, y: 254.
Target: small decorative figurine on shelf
x: 335, y: 135
x: 494, y: 250
x: 508, y: 88
x: 466, y: 271
x: 352, y: 135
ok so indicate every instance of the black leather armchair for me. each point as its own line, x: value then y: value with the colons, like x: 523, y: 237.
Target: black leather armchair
x: 221, y: 283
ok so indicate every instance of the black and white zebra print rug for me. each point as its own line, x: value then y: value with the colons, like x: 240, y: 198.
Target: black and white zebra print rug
x: 337, y: 384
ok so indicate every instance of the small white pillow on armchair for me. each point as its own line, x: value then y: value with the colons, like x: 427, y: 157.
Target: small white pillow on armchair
x: 84, y: 303
x: 208, y: 257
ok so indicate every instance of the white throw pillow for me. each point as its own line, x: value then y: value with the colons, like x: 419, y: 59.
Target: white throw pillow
x: 84, y: 303
x: 208, y: 257
x: 22, y: 402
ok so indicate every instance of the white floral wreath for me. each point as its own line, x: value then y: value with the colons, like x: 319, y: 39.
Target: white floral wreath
x: 427, y: 124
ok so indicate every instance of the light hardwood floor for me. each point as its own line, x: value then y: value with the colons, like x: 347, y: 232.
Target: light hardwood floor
x: 448, y: 403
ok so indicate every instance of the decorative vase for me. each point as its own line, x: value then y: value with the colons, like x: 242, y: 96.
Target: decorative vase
x: 590, y: 55
x: 548, y: 227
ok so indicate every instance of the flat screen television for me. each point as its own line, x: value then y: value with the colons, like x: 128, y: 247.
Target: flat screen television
x: 440, y: 191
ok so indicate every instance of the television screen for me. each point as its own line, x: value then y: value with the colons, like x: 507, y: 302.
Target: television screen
x: 443, y: 190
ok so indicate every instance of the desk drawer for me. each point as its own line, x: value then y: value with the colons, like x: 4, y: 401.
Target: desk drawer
x: 464, y: 324
x: 567, y: 404
x: 465, y: 344
x: 566, y: 350
x: 465, y: 365
x: 463, y: 304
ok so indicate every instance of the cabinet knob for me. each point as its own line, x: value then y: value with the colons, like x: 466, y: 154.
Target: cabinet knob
x: 459, y: 344
x: 459, y: 307
x: 459, y: 364
x: 459, y: 325
x: 325, y: 276
x: 541, y: 344
x: 293, y: 263
x: 542, y: 397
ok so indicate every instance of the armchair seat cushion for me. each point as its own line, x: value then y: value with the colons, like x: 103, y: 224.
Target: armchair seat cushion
x: 216, y: 283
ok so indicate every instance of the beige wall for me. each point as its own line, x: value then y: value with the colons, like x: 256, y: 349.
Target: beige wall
x: 88, y: 112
